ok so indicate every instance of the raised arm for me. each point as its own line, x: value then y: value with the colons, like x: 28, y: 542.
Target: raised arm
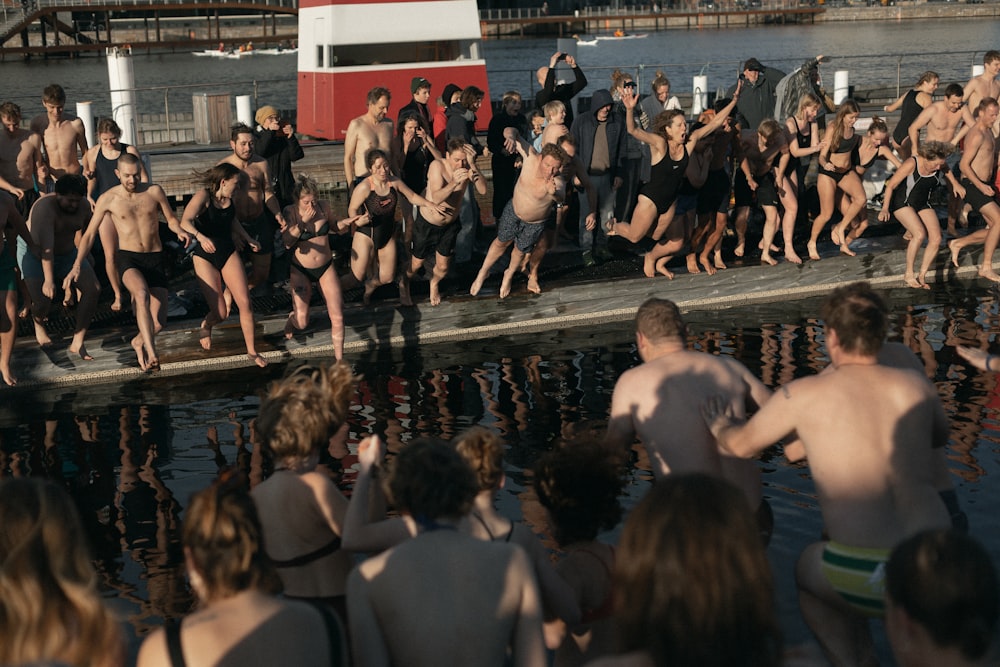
x: 717, y: 121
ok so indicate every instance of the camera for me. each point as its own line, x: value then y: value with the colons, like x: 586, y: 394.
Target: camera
x: 629, y: 84
x: 562, y: 56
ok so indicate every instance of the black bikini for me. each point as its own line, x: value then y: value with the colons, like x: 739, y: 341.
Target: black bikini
x: 313, y: 274
x: 846, y: 146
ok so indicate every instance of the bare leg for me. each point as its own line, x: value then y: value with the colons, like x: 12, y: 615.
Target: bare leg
x: 929, y: 219
x: 643, y: 217
x: 992, y: 214
x: 790, y: 202
x: 329, y: 285
x: 8, y: 334
x: 851, y: 185
x: 516, y: 255
x: 298, y: 319
x: 911, y: 221
x: 440, y: 270
x: 826, y: 188
x: 235, y: 279
x: 144, y: 344
x: 770, y: 230
x: 495, y: 252
x: 109, y: 241
x: 89, y: 290
x: 740, y: 223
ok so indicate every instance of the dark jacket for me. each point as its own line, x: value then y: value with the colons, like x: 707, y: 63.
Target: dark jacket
x: 494, y: 137
x: 756, y: 101
x: 418, y: 109
x: 585, y: 128
x: 564, y: 93
x: 462, y: 123
x: 280, y: 152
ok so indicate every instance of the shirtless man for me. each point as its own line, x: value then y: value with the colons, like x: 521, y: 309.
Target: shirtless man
x: 538, y: 189
x: 946, y: 120
x: 978, y: 166
x: 368, y: 131
x: 20, y: 158
x: 447, y: 180
x: 133, y: 209
x: 54, y: 223
x: 64, y: 139
x: 871, y: 453
x: 399, y: 619
x: 659, y: 402
x: 986, y: 84
x: 8, y: 283
x: 257, y: 207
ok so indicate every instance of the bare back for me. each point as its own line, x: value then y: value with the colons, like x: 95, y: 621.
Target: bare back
x: 51, y: 227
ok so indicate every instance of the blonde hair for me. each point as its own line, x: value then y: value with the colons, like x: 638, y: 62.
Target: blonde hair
x: 50, y: 609
x: 302, y: 411
x: 618, y: 78
x: 552, y: 108
x: 483, y: 450
x: 806, y: 101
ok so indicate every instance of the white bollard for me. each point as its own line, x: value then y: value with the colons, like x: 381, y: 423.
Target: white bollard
x: 86, y: 114
x: 244, y: 111
x: 977, y: 70
x: 121, y: 80
x: 841, y: 86
x: 699, y: 100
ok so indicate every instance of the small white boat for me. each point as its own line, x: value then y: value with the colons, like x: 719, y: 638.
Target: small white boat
x: 605, y: 38
x: 231, y: 55
x: 275, y: 52
x: 586, y: 42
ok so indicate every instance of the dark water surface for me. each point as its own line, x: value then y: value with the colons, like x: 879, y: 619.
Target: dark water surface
x: 132, y: 456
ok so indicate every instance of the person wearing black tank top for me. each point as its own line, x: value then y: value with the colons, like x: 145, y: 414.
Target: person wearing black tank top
x: 210, y: 219
x: 911, y: 105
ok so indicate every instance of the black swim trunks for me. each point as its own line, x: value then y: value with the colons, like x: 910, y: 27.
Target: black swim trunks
x: 149, y: 264
x: 974, y: 198
x: 429, y: 238
x: 261, y: 229
x: 713, y: 197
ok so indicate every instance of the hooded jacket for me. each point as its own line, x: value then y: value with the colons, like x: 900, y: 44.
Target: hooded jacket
x: 462, y: 123
x: 585, y: 129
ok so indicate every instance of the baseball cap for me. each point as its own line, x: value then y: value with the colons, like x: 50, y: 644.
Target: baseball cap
x: 753, y: 64
x: 419, y: 82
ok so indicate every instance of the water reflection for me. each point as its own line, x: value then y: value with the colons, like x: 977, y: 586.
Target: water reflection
x: 131, y: 456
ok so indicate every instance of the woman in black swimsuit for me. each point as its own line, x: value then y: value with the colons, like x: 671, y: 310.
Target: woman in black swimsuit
x: 653, y: 214
x: 874, y: 145
x: 911, y: 104
x: 209, y: 218
x: 375, y: 237
x: 310, y: 223
x: 836, y: 170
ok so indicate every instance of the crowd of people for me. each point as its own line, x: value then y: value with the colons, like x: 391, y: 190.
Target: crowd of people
x: 629, y: 166
x: 418, y: 567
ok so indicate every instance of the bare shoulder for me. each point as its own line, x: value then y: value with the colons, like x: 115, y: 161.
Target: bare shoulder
x: 153, y: 652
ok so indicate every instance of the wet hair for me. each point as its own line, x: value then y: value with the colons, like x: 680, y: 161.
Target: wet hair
x: 126, y: 158
x: 212, y: 178
x: 54, y: 94
x: 108, y: 126
x: 664, y: 119
x: 430, y: 480
x: 946, y: 582
x: 552, y: 150
x: 927, y: 77
x: 553, y: 107
x: 471, y: 95
x: 483, y: 451
x: 455, y: 144
x: 579, y: 483
x: 991, y: 56
x: 50, y: 608
x: 302, y: 411
x: 71, y: 184
x: 935, y: 150
x: 373, y: 154
x: 660, y: 80
x: 660, y: 319
x: 377, y: 93
x: 859, y: 316
x: 223, y: 535
x: 771, y: 132
x: 836, y: 131
x: 693, y: 583
x: 304, y: 185
x: 510, y: 96
x: 808, y: 100
x: 618, y: 78
x: 237, y: 130
x: 11, y: 111
x: 954, y: 90
x: 877, y: 125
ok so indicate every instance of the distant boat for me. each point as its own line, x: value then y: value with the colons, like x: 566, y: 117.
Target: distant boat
x: 232, y: 55
x: 586, y: 42
x: 276, y: 51
x: 616, y: 37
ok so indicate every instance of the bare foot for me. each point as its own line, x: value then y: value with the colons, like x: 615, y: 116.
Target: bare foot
x: 505, y: 284
x: 435, y: 295
x: 709, y: 268
x: 477, y: 284
x: 719, y: 264
x: 792, y: 256
x: 153, y: 364
x: 649, y: 266
x: 524, y: 264
x: 205, y: 336
x: 692, y: 263
x: 41, y: 335
x: 8, y: 377
x: 257, y: 359
x: 533, y: 285
x: 988, y: 273
x: 951, y: 231
x: 846, y: 250
x: 290, y: 328
x: 923, y: 281
x: 954, y: 248
x: 774, y: 248
x: 813, y: 253
x: 661, y: 267
x: 911, y: 281
x: 82, y: 352
x: 116, y: 305
x: 766, y: 258
x: 370, y: 288
x: 404, y: 296
x: 140, y: 353
x: 24, y: 313
x: 740, y: 248
x: 837, y: 236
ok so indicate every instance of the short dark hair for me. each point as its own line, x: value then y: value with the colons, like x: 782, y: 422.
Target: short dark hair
x: 430, y: 480
x: 954, y: 90
x: 659, y: 319
x: 859, y: 316
x: 471, y: 95
x: 377, y: 93
x: 238, y: 129
x: 946, y: 582
x: 54, y: 94
x: 551, y: 150
x: 455, y: 144
x: 10, y: 110
x: 127, y: 158
x: 71, y: 184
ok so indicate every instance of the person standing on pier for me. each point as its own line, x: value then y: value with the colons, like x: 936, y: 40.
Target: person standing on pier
x: 257, y: 207
x: 99, y: 165
x: 64, y: 139
x: 912, y: 103
x: 54, y: 222
x: 420, y: 89
x: 9, y: 215
x: 20, y: 158
x: 368, y: 131
x: 276, y: 142
x: 985, y: 85
x: 506, y: 160
x: 134, y: 208
x: 564, y: 92
x: 757, y: 95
